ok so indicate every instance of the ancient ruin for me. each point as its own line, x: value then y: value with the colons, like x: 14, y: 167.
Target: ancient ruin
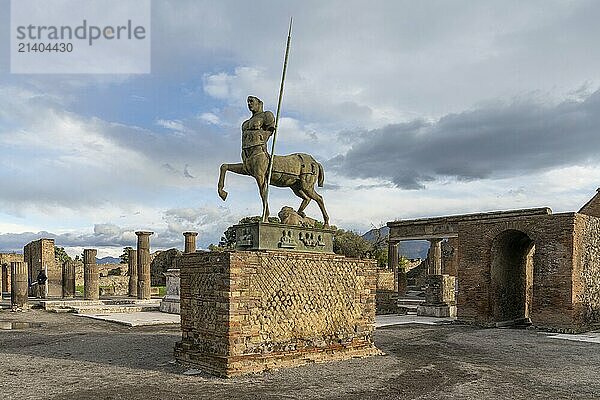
x: 39, y: 255
x: 143, y: 264
x: 517, y: 266
x: 280, y: 297
x: 91, y: 275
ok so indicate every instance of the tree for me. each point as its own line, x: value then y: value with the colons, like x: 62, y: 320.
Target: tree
x: 351, y: 244
x: 125, y: 256
x: 61, y: 255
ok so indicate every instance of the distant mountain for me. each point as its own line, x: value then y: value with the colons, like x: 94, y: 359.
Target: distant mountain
x: 408, y: 248
x: 375, y: 233
x: 108, y: 260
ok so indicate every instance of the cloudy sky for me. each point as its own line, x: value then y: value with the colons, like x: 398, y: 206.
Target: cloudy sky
x: 414, y: 108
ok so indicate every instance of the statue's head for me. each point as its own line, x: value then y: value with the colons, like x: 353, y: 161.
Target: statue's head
x: 255, y: 104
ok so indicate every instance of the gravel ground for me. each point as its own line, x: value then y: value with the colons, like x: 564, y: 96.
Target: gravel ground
x: 77, y: 358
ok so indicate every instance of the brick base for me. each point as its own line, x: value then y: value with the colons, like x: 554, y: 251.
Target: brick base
x: 252, y: 311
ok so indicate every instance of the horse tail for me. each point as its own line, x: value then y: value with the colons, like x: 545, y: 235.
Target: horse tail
x: 321, y: 175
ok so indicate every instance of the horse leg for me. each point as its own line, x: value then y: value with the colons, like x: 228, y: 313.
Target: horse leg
x: 310, y: 192
x: 305, y: 200
x: 235, y: 168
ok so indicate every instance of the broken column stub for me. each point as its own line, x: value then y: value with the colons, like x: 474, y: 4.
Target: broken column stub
x: 133, y: 272
x: 440, y: 297
x: 143, y: 264
x: 190, y: 242
x: 19, y: 286
x: 91, y: 276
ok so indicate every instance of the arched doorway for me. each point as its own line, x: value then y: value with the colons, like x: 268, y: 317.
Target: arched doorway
x: 511, y: 276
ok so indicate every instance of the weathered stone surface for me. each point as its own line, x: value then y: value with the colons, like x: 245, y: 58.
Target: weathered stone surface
x: 250, y: 311
x: 133, y: 272
x: 91, y: 276
x: 161, y: 262
x: 38, y: 255
x: 189, y: 242
x: 143, y: 264
x: 440, y: 289
x: 271, y: 236
x: 171, y: 302
x: 68, y: 279
x: 18, y: 292
x: 5, y: 260
x: 592, y: 207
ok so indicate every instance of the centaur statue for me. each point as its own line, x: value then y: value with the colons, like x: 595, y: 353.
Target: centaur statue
x: 297, y: 171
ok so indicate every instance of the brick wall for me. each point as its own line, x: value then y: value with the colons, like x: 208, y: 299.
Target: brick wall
x: 586, y: 274
x: 248, y: 311
x: 551, y: 291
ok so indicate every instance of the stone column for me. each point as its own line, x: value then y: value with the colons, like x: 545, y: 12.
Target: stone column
x: 91, y: 276
x: 393, y: 264
x: 143, y: 264
x: 435, y: 257
x: 190, y: 242
x: 19, y: 284
x: 5, y: 279
x: 133, y: 272
x: 68, y: 279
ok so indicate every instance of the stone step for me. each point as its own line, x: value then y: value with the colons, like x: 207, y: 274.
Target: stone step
x: 112, y: 309
x: 403, y: 301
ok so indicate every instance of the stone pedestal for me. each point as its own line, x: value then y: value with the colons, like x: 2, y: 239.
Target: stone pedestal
x: 252, y: 311
x: 190, y: 242
x: 440, y: 298
x: 170, y: 303
x: 132, y: 270
x: 19, y: 285
x: 143, y: 264
x: 91, y: 275
x: 271, y: 236
x: 68, y: 279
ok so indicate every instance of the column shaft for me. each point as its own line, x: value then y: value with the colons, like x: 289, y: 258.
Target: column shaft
x: 435, y: 254
x: 91, y: 276
x: 133, y: 272
x: 190, y: 242
x: 143, y: 264
x: 19, y: 284
x: 68, y: 279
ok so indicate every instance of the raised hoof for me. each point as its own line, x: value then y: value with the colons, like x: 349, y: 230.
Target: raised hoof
x: 326, y: 226
x: 302, y: 214
x: 222, y: 194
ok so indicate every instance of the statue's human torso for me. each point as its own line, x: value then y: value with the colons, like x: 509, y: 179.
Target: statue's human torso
x: 257, y: 130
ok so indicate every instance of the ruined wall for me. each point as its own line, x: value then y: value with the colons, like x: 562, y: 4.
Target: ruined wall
x: 5, y: 260
x: 385, y: 279
x: 249, y: 311
x: 160, y: 263
x: 552, y: 235
x: 110, y: 284
x: 586, y: 275
x: 39, y: 254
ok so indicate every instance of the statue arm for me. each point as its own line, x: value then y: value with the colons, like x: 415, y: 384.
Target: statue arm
x: 269, y: 124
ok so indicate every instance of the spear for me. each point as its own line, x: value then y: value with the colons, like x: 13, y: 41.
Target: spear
x: 268, y: 182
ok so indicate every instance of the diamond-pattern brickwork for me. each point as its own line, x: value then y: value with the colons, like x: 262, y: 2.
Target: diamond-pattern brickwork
x: 248, y: 311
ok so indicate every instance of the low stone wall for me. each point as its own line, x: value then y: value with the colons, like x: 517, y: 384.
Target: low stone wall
x: 251, y: 311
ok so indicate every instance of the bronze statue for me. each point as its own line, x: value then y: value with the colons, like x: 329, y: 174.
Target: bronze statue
x: 297, y: 171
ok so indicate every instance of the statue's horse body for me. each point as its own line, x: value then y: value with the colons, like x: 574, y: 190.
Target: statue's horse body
x: 297, y: 171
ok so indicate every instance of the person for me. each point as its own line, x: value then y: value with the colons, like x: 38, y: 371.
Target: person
x: 257, y: 130
x: 41, y: 284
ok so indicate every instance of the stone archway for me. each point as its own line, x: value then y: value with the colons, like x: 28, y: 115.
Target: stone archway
x: 511, y: 273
